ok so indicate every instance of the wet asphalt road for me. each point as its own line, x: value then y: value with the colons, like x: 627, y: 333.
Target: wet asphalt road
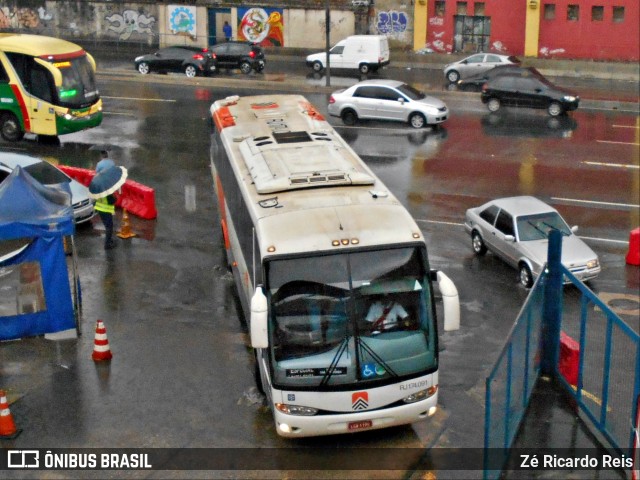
x: 181, y: 373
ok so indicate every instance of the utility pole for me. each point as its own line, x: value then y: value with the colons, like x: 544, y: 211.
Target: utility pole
x: 327, y: 32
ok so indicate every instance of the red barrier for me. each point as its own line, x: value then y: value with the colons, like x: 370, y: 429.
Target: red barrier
x: 82, y: 175
x: 136, y: 198
x: 633, y: 255
x: 569, y: 359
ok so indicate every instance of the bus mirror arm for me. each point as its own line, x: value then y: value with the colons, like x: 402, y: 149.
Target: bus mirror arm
x: 258, y: 321
x: 451, y: 302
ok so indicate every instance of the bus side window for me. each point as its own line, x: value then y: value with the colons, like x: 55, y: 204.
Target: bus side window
x: 41, y: 82
x: 4, y: 77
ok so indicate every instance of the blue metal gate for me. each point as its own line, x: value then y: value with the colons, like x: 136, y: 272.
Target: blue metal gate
x: 608, y: 384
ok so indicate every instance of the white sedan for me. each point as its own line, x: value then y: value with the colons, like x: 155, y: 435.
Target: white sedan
x: 516, y: 229
x: 387, y: 100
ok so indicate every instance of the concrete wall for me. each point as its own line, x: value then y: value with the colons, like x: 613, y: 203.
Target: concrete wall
x: 306, y: 28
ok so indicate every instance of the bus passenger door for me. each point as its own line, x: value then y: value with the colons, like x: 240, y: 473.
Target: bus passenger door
x: 39, y: 101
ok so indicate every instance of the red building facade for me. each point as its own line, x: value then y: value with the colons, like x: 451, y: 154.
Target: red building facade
x: 580, y: 29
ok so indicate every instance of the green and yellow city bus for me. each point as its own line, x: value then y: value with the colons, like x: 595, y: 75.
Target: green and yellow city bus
x: 47, y: 87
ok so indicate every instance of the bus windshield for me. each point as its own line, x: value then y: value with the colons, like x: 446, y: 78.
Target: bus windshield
x: 78, y: 89
x: 351, y: 318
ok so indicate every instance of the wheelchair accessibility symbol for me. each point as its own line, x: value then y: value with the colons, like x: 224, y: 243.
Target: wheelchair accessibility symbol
x: 369, y: 370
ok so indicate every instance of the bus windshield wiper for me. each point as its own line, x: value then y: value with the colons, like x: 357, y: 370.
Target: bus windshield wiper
x: 334, y: 362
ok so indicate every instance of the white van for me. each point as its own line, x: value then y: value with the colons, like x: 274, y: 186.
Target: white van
x: 363, y: 52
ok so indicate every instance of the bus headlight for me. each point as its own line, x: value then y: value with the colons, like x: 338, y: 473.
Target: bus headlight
x: 296, y: 410
x: 421, y: 395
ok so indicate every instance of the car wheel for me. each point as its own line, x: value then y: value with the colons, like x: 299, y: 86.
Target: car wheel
x: 143, y: 68
x: 477, y: 243
x: 10, y: 128
x: 349, y: 117
x: 493, y: 104
x: 317, y: 66
x: 364, y: 68
x: 554, y: 109
x: 190, y: 71
x: 526, y: 278
x: 245, y: 67
x: 453, y: 76
x: 417, y: 120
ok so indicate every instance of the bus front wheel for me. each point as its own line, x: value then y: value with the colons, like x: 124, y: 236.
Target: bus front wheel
x: 10, y: 128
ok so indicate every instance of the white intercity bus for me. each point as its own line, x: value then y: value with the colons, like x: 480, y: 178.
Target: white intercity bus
x: 331, y: 270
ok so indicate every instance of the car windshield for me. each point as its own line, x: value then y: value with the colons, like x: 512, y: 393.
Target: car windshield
x: 411, y: 92
x: 46, y: 173
x: 538, y: 227
x: 351, y: 318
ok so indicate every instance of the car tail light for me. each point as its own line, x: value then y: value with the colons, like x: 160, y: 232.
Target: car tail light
x: 485, y: 87
x: 205, y: 50
x: 331, y: 99
x: 252, y: 54
x: 197, y: 56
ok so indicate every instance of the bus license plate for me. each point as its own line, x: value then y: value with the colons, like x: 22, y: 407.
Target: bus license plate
x: 360, y: 425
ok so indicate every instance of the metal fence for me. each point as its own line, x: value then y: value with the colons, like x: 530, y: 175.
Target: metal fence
x: 608, y: 385
x: 510, y: 384
x: 609, y: 368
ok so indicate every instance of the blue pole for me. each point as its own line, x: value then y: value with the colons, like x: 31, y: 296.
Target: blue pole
x: 552, y: 310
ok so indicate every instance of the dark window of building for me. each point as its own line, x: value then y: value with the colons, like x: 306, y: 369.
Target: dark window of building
x: 478, y: 8
x: 461, y: 8
x: 549, y: 11
x: 440, y: 8
x: 618, y: 14
x: 573, y: 13
x: 597, y: 13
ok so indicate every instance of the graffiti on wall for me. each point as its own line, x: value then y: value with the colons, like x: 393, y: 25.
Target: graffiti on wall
x: 182, y: 20
x: 264, y: 26
x: 23, y: 17
x: 129, y: 22
x: 391, y: 22
x: 550, y: 52
x: 436, y: 35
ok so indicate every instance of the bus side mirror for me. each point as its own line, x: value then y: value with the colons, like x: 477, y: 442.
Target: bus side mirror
x: 259, y: 336
x: 451, y: 302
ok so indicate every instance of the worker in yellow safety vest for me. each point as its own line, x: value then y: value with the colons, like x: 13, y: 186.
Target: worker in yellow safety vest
x: 106, y: 207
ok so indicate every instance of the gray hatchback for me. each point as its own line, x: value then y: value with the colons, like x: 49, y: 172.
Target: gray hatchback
x: 516, y: 229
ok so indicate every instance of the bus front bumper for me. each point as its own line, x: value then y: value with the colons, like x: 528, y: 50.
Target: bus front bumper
x: 308, y: 426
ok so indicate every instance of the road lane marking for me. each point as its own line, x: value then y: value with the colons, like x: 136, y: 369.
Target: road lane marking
x: 617, y: 143
x: 600, y: 239
x: 594, y: 202
x: 627, y: 126
x: 617, y: 165
x: 455, y: 224
x: 142, y: 99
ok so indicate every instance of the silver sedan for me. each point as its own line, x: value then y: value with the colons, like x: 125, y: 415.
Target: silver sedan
x: 476, y: 64
x: 387, y: 100
x: 516, y: 229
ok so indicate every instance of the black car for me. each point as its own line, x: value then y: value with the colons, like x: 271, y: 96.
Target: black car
x: 528, y: 92
x: 476, y: 82
x: 243, y: 55
x: 192, y: 61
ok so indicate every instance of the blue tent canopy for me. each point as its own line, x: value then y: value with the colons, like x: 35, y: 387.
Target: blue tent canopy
x: 35, y: 295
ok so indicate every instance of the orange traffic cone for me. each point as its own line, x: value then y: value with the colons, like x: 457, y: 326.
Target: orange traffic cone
x: 125, y: 228
x: 101, y: 349
x: 8, y: 428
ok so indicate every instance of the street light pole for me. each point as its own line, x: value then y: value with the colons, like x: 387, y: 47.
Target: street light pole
x: 327, y: 31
